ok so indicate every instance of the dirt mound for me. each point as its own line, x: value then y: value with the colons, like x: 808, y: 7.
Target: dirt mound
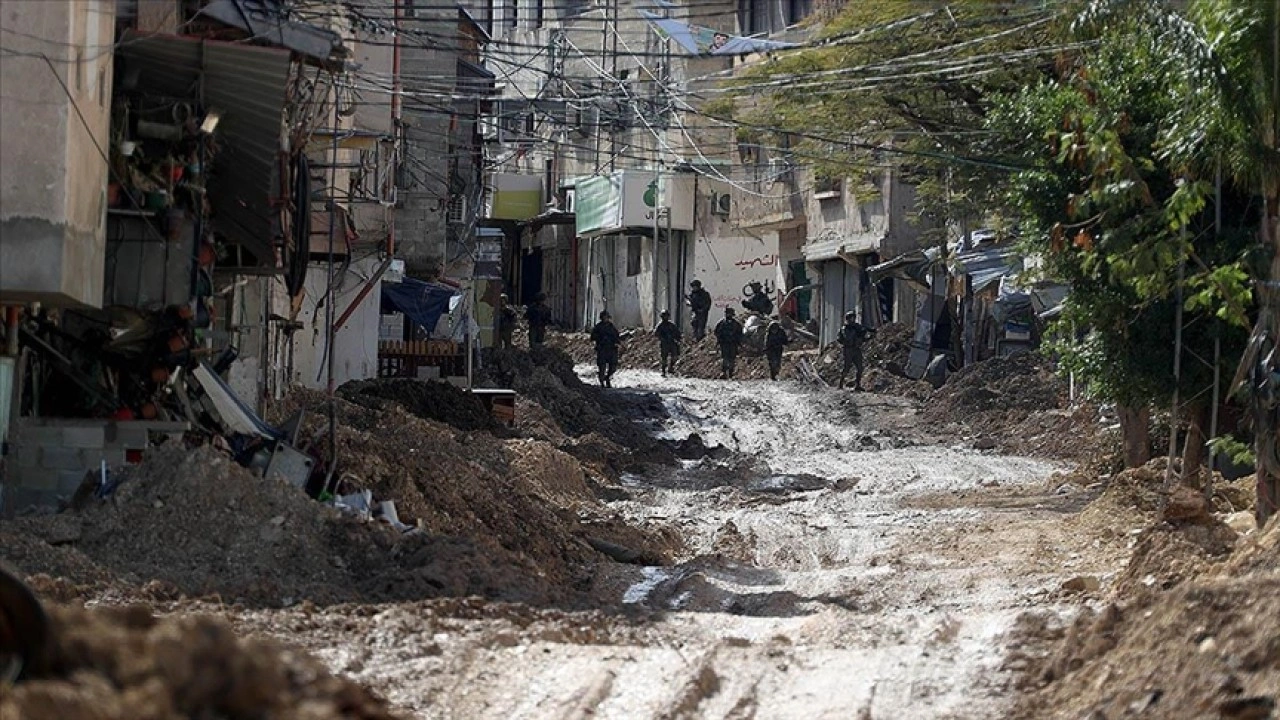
x: 1206, y: 647
x: 203, y: 525
x: 566, y: 406
x: 507, y: 520
x: 428, y: 399
x: 112, y: 664
x: 1013, y: 386
x: 1166, y: 556
x: 512, y: 498
x: 889, y: 347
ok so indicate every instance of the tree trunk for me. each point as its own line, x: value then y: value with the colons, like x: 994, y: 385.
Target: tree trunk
x: 1193, y: 446
x: 1135, y: 428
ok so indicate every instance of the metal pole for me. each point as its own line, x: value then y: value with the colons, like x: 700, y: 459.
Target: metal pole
x: 670, y: 296
x: 657, y: 210
x: 1213, y: 413
x: 1177, y: 380
x: 330, y: 297
x: 1217, y: 331
x: 470, y: 338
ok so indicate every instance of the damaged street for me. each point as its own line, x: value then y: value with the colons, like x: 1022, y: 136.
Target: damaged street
x: 639, y: 360
x: 769, y: 549
x: 817, y: 578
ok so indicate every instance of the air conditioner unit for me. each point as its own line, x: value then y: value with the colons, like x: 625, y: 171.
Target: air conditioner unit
x: 456, y: 210
x: 720, y: 205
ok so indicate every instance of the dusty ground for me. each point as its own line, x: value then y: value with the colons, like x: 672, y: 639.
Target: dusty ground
x: 854, y: 568
x: 844, y: 555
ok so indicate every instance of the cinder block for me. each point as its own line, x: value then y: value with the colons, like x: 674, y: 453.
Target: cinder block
x: 61, y: 458
x: 35, y: 435
x: 69, y: 481
x: 34, y: 479
x: 128, y: 437
x: 88, y: 436
x: 25, y: 456
x: 92, y: 459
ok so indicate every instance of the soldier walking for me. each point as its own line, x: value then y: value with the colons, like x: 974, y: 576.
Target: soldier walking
x: 728, y: 336
x: 700, y: 304
x: 539, y: 317
x: 668, y: 343
x: 851, y: 338
x: 775, y: 339
x: 605, y: 336
x: 506, y: 319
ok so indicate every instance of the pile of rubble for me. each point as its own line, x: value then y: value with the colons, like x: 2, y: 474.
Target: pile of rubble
x: 126, y: 663
x: 1185, y: 630
x: 439, y: 401
x: 1018, y: 404
x: 195, y: 524
x: 556, y: 405
x: 476, y: 509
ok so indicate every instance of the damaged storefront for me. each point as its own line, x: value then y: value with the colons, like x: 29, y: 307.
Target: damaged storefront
x: 208, y: 211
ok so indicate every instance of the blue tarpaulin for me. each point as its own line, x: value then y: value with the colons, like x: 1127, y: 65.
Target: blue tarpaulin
x: 422, y: 302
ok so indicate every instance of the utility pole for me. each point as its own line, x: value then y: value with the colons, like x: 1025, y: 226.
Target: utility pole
x: 1267, y: 415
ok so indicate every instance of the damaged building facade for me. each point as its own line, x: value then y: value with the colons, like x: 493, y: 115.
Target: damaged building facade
x: 610, y: 197
x: 206, y: 203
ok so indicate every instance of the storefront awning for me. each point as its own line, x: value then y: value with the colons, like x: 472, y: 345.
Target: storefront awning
x: 915, y: 267
x: 832, y: 247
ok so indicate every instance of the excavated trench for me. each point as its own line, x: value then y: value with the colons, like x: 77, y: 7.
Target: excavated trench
x: 842, y: 562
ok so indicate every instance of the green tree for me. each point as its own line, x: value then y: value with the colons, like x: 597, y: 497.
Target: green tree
x: 908, y: 75
x: 1120, y: 217
x: 1230, y: 120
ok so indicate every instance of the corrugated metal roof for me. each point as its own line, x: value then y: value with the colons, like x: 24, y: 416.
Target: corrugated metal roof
x: 247, y: 85
x: 985, y: 267
x: 831, y: 247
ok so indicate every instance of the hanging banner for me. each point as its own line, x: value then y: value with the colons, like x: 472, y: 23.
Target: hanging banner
x: 516, y: 197
x: 633, y: 199
x: 697, y: 40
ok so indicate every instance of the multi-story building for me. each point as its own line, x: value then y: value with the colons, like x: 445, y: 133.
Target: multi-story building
x: 218, y: 182
x: 596, y: 104
x: 56, y: 69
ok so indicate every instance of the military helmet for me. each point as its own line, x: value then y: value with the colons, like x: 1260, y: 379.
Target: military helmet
x: 851, y: 315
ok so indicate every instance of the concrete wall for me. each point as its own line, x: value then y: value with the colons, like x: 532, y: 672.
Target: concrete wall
x: 49, y: 457
x: 355, y: 344
x: 430, y: 135
x: 52, y: 174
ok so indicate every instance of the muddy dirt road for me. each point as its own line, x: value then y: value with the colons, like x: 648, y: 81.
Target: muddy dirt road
x: 852, y: 566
